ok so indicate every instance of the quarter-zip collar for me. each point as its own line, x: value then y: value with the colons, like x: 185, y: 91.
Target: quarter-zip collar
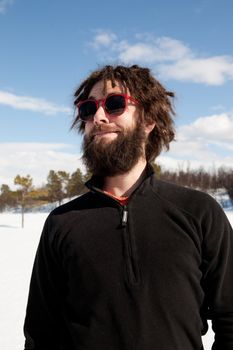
x: 95, y: 183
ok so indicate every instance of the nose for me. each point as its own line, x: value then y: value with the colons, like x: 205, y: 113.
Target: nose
x: 100, y: 116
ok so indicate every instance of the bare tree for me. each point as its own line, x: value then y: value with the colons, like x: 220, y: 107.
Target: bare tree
x: 25, y: 185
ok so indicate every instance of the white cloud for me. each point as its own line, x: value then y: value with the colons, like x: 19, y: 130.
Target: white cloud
x: 211, y: 71
x: 103, y: 39
x: 209, y: 164
x: 215, y: 128
x: 170, y: 58
x: 4, y: 4
x: 139, y: 52
x: 36, y: 159
x: 31, y: 104
x: 156, y: 50
x: 206, y: 142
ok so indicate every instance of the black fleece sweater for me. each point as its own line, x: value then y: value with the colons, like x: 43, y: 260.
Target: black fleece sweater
x: 142, y: 277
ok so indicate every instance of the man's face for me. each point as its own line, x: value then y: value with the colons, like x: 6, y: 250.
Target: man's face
x: 104, y: 127
x: 112, y: 144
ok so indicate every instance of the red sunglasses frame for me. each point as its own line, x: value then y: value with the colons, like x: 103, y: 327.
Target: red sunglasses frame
x: 101, y: 102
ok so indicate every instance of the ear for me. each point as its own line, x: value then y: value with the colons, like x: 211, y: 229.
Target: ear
x: 149, y: 127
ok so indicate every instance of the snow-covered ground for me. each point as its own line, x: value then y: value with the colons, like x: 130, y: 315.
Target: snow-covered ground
x: 17, y: 251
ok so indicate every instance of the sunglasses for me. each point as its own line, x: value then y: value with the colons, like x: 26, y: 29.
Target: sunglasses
x: 114, y: 105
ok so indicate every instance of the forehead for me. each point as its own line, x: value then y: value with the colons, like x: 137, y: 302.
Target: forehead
x: 102, y: 89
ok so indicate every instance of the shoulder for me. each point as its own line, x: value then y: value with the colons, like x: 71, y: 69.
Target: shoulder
x: 75, y: 204
x: 199, y: 207
x: 67, y: 211
x: 63, y: 218
x: 188, y: 199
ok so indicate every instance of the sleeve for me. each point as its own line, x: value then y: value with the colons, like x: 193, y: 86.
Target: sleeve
x: 43, y: 321
x: 218, y: 275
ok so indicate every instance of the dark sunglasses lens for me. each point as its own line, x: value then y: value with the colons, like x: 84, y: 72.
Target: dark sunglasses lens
x: 115, y: 105
x: 87, y: 110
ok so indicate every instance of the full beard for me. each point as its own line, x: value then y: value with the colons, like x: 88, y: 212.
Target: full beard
x: 114, y: 157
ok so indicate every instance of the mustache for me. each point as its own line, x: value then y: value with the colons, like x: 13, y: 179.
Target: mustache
x: 104, y: 128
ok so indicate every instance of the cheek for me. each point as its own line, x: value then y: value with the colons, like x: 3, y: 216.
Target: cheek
x: 126, y: 120
x: 88, y: 127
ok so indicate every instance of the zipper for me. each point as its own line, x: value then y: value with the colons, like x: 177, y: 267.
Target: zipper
x: 124, y: 218
x: 133, y: 271
x: 132, y: 267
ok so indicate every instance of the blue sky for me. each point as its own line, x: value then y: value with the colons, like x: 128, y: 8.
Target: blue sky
x: 48, y: 47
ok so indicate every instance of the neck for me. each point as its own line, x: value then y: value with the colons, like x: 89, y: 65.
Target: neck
x: 124, y: 184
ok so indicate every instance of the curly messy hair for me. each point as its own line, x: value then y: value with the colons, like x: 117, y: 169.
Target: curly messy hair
x: 155, y: 102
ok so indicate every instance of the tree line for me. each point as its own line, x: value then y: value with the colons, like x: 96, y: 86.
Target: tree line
x: 200, y: 179
x: 61, y: 185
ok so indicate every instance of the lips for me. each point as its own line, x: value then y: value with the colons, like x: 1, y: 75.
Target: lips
x: 103, y: 130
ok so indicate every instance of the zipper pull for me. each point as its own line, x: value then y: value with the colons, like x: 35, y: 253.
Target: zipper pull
x: 124, y: 216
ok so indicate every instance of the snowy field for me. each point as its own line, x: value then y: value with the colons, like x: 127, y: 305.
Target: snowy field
x: 17, y: 250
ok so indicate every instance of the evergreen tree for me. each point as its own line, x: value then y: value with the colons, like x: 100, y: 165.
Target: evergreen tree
x: 64, y: 178
x: 76, y: 184
x: 54, y: 187
x: 7, y: 197
x: 57, y: 185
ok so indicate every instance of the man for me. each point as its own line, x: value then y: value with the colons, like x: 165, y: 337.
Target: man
x: 134, y: 263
